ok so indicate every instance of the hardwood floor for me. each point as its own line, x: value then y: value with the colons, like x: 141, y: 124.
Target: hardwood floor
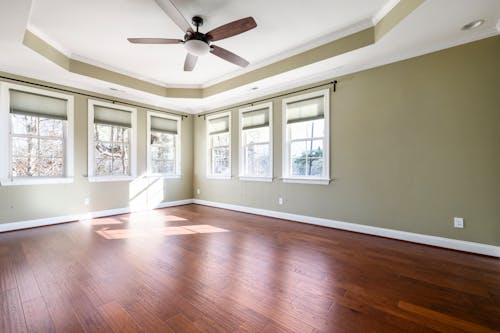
x: 199, y: 269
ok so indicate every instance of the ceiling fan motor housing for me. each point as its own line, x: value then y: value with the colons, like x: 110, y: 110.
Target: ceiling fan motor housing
x: 196, y: 42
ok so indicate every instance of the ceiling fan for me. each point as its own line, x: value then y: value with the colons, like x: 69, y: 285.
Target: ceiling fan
x: 197, y: 43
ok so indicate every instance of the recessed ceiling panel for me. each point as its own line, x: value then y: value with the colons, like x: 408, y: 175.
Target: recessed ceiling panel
x: 96, y: 31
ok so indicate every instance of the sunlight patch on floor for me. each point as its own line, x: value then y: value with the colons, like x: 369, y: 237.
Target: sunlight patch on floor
x: 108, y: 233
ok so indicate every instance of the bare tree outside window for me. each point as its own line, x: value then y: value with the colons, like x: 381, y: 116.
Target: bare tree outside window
x: 256, y: 152
x: 163, y: 152
x: 306, y: 148
x: 112, y: 150
x: 220, y: 154
x: 37, y: 146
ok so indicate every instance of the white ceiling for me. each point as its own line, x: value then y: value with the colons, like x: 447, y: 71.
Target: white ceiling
x: 96, y: 31
x: 433, y: 26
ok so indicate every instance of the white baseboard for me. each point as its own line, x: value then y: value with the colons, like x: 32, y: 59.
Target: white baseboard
x: 448, y: 243
x: 85, y: 216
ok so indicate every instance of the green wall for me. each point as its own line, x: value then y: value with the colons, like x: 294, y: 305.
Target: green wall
x: 20, y: 203
x: 413, y: 144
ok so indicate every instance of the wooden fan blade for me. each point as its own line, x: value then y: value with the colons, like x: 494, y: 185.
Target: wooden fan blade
x: 190, y: 62
x: 155, y: 41
x: 232, y: 29
x: 228, y: 56
x: 176, y: 16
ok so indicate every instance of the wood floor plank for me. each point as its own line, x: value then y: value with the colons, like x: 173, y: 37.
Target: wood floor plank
x: 63, y: 316
x: 11, y: 312
x: 445, y: 319
x: 37, y: 316
x: 118, y: 318
x: 200, y: 269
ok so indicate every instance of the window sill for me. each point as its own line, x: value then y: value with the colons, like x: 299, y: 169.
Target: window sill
x: 161, y: 175
x: 218, y: 177
x: 256, y: 179
x: 101, y: 179
x: 313, y: 181
x: 36, y: 181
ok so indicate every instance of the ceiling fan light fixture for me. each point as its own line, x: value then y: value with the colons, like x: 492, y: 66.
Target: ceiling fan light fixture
x: 197, y: 47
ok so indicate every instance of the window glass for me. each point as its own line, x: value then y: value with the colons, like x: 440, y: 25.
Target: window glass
x: 112, y: 150
x: 305, y: 138
x: 163, y: 153
x: 37, y: 146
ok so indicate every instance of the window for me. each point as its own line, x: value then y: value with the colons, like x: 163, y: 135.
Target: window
x: 37, y: 136
x: 219, y: 146
x: 112, y: 142
x: 256, y: 161
x: 164, y: 149
x: 306, y: 138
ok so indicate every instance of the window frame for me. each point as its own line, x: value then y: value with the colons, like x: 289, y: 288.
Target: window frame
x: 91, y: 143
x: 6, y: 178
x: 178, y: 147
x: 241, y: 153
x: 324, y: 179
x: 208, y: 155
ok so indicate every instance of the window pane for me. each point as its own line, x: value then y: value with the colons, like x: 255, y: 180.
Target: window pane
x: 103, y: 166
x: 307, y: 129
x: 256, y: 135
x: 51, y: 167
x: 163, y: 156
x: 22, y: 124
x: 33, y: 154
x: 220, y: 140
x: 307, y: 158
x: 24, y: 157
x: 257, y: 160
x: 220, y: 161
x: 112, y: 150
x: 120, y: 167
x: 51, y: 148
x: 51, y: 127
x: 22, y: 146
x: 163, y: 166
x: 120, y: 134
x: 21, y: 167
x: 103, y: 132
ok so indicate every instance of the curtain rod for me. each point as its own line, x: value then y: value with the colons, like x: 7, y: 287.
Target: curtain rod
x: 93, y: 96
x: 334, y: 83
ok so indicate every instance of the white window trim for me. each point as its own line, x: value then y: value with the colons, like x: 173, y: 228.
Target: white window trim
x: 325, y: 178
x: 5, y: 157
x: 242, y: 176
x: 177, y: 145
x: 207, y: 139
x: 91, y: 144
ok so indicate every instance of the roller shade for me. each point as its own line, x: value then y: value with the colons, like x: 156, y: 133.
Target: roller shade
x: 255, y: 119
x: 164, y: 125
x: 30, y: 104
x: 115, y: 117
x: 218, y: 125
x: 304, y: 110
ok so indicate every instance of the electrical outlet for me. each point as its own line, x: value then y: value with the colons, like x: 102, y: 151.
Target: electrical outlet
x: 198, y: 191
x: 458, y: 222
x: 280, y: 201
x: 86, y: 201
